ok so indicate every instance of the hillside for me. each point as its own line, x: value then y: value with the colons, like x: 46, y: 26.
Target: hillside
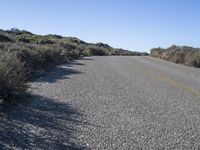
x: 70, y: 43
x: 23, y: 54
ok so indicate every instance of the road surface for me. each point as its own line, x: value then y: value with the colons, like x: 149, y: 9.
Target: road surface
x: 110, y: 103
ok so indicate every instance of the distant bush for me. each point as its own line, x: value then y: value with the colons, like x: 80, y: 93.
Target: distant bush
x: 28, y: 38
x: 94, y: 51
x: 178, y: 54
x: 53, y: 36
x: 157, y: 52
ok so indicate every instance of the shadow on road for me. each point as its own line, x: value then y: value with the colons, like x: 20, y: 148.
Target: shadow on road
x: 39, y: 123
x: 59, y: 73
x: 62, y: 71
x: 86, y: 58
x: 75, y: 62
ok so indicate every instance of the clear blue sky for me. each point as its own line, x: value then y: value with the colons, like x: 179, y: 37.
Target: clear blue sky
x: 131, y: 24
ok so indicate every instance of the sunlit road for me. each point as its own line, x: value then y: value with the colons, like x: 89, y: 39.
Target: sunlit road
x: 114, y: 103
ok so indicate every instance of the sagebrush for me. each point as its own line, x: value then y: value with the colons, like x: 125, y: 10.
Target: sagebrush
x: 23, y: 54
x: 179, y: 54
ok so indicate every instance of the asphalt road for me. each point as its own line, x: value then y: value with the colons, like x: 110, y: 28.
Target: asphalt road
x: 108, y: 103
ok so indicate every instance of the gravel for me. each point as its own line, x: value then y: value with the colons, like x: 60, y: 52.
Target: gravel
x: 113, y: 102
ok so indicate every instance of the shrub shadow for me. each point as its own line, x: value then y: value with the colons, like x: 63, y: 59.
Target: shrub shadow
x: 58, y: 73
x: 39, y: 123
x: 86, y: 58
x: 62, y: 71
x: 73, y: 63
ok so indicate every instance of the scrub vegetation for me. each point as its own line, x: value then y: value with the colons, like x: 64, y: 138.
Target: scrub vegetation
x: 179, y: 54
x: 23, y: 54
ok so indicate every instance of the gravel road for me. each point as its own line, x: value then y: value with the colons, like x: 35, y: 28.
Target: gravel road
x: 110, y: 103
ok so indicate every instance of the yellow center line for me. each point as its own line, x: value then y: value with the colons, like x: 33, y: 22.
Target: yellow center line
x: 174, y: 83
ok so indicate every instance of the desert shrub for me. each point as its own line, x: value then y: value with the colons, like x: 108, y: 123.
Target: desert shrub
x: 68, y: 45
x: 37, y: 57
x: 157, y: 52
x: 94, y: 51
x: 23, y: 54
x: 29, y: 38
x: 193, y: 60
x: 4, y: 38
x: 53, y: 36
x: 12, y: 75
x: 115, y: 53
x: 178, y: 54
x: 75, y: 40
x: 23, y: 39
x: 87, y: 52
